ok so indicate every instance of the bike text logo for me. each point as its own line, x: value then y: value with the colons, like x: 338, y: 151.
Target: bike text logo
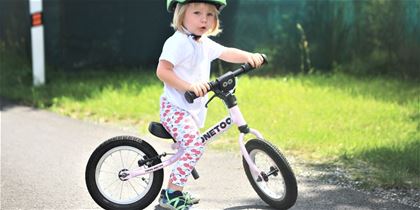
x: 216, y: 129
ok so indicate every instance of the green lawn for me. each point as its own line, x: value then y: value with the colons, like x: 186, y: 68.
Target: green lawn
x: 359, y: 122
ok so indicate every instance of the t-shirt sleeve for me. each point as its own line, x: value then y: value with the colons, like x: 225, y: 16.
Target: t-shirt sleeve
x: 171, y: 52
x: 215, y: 49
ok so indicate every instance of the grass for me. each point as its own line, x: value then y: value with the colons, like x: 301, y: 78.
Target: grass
x: 362, y: 123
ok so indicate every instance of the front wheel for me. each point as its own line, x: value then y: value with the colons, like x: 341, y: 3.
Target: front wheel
x: 111, y: 159
x: 279, y: 188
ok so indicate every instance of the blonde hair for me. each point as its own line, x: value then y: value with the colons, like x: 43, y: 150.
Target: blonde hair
x: 179, y: 15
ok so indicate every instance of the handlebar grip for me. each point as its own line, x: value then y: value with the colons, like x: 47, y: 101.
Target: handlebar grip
x: 247, y: 67
x: 190, y: 96
x: 265, y: 59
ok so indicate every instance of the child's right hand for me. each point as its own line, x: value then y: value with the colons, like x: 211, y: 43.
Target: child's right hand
x: 200, y: 89
x: 255, y: 59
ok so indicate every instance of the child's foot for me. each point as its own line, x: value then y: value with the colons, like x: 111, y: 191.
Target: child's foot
x: 174, y: 201
x: 188, y: 197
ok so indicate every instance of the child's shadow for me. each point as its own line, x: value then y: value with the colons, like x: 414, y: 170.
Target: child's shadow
x: 157, y: 207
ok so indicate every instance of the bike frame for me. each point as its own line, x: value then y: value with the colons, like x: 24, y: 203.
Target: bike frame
x: 224, y: 88
x: 235, y: 117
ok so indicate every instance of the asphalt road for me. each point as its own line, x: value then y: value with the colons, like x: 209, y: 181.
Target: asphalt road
x: 43, y: 158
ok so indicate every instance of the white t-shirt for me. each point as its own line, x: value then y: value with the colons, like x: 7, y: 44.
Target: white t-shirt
x: 191, y: 60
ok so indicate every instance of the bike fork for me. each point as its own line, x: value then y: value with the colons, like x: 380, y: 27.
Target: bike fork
x: 253, y: 168
x: 239, y: 120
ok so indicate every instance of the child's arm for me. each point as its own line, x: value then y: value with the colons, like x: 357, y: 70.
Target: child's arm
x: 234, y: 55
x: 166, y: 74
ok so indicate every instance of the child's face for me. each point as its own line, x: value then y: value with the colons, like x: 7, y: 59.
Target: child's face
x: 199, y: 18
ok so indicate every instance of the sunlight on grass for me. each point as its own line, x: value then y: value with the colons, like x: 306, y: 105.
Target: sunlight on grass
x: 129, y: 102
x: 301, y: 116
x: 362, y: 122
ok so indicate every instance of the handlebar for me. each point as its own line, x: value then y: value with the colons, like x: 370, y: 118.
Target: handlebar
x: 225, y: 81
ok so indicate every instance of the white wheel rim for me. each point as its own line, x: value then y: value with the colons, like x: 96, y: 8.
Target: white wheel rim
x: 275, y: 187
x: 108, y: 182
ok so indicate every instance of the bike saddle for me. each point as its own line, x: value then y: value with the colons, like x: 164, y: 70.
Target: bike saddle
x: 158, y: 130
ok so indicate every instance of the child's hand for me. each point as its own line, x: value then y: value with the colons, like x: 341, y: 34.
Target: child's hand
x: 255, y: 60
x: 200, y: 89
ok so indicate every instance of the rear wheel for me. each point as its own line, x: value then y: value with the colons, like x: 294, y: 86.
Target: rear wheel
x: 105, y: 172
x: 279, y: 188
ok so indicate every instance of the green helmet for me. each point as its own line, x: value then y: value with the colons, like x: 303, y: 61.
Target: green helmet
x: 171, y: 4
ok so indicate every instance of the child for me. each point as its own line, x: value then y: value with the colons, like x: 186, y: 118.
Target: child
x: 184, y: 65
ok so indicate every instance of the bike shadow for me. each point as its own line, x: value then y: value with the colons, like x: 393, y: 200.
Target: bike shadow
x: 248, y: 207
x: 157, y: 207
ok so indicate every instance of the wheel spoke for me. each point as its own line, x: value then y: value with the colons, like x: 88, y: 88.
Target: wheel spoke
x: 129, y: 182
x: 122, y: 162
x: 144, y: 180
x: 108, y: 172
x: 122, y: 185
x: 133, y: 161
x: 141, y: 182
x: 115, y: 181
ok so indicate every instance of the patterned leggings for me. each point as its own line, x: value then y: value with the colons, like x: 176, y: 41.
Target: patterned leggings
x: 181, y: 125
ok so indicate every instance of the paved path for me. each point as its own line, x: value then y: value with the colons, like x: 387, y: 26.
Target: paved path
x: 43, y: 158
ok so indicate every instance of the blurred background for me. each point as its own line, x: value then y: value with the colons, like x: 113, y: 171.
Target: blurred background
x: 364, y: 37
x: 341, y: 89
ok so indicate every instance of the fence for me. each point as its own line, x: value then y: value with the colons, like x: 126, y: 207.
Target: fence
x: 376, y: 36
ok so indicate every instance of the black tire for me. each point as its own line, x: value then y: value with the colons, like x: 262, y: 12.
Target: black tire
x: 285, y: 176
x: 102, y: 164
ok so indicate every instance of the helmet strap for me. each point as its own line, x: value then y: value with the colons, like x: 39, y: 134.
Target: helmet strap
x: 194, y: 36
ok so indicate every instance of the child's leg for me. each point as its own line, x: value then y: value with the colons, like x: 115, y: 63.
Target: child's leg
x: 181, y: 125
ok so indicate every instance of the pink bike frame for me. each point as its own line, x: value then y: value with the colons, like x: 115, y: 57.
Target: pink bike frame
x: 235, y: 117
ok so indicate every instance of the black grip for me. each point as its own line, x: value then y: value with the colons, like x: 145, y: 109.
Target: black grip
x: 265, y: 59
x: 247, y: 67
x: 195, y: 174
x: 190, y: 96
